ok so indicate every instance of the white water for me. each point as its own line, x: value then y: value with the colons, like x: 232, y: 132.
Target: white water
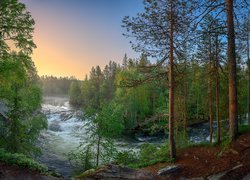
x: 65, y: 132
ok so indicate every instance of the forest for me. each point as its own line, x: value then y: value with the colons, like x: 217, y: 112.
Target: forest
x: 193, y: 69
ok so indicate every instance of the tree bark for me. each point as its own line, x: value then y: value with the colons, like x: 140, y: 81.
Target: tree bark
x: 185, y: 102
x: 98, y: 151
x: 232, y: 76
x: 217, y: 90
x: 248, y: 60
x: 171, y: 87
x: 210, y: 93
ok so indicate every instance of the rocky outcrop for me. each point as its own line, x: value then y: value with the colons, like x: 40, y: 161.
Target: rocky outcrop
x: 112, y: 171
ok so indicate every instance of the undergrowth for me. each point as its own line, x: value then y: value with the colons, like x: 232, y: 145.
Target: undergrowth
x: 23, y: 161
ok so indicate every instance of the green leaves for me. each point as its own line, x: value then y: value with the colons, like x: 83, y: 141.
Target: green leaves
x: 75, y: 93
x: 22, y: 161
x: 16, y: 27
x: 109, y: 120
x: 23, y: 96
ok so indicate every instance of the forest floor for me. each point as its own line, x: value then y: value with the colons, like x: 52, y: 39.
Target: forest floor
x: 231, y: 162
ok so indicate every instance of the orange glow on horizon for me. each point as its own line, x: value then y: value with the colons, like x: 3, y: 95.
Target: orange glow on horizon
x: 71, y: 38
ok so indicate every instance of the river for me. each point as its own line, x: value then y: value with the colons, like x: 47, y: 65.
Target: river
x: 66, y: 130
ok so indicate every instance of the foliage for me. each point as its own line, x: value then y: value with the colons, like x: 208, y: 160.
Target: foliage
x: 23, y: 97
x: 98, y: 148
x: 19, y: 89
x: 244, y: 129
x: 53, y: 86
x: 17, y: 26
x: 147, y: 155
x: 126, y: 157
x: 75, y: 94
x: 82, y: 160
x: 21, y: 161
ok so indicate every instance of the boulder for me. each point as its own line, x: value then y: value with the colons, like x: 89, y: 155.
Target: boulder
x: 55, y: 127
x: 112, y: 171
x: 168, y: 170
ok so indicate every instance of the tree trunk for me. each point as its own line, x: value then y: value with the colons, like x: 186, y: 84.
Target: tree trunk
x: 185, y: 104
x: 248, y: 60
x: 210, y: 93
x: 171, y: 87
x: 197, y: 109
x: 233, y: 121
x: 98, y: 151
x: 217, y: 89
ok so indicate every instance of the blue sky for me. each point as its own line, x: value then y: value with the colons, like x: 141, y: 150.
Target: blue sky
x: 74, y: 35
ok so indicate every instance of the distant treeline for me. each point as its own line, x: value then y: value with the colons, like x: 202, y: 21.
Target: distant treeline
x: 54, y: 86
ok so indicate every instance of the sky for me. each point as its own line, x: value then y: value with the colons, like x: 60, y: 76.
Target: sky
x: 74, y: 35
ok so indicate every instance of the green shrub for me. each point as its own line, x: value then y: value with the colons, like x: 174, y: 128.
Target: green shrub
x: 244, y: 129
x: 148, y: 154
x: 126, y: 157
x: 82, y: 159
x: 21, y: 161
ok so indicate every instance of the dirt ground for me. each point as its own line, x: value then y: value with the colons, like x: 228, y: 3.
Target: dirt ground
x: 231, y: 162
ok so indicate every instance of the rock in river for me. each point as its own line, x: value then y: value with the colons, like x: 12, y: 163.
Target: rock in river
x: 55, y: 127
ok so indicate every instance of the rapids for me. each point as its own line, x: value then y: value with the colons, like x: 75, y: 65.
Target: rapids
x: 66, y: 130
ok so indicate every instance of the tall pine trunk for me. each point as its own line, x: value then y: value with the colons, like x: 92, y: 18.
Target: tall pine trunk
x: 171, y: 87
x: 217, y: 90
x: 185, y: 111
x: 184, y: 108
x: 210, y: 93
x: 233, y: 120
x: 248, y: 60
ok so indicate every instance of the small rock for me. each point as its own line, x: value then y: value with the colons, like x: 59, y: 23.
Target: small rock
x: 216, y: 176
x: 168, y: 170
x: 112, y: 171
